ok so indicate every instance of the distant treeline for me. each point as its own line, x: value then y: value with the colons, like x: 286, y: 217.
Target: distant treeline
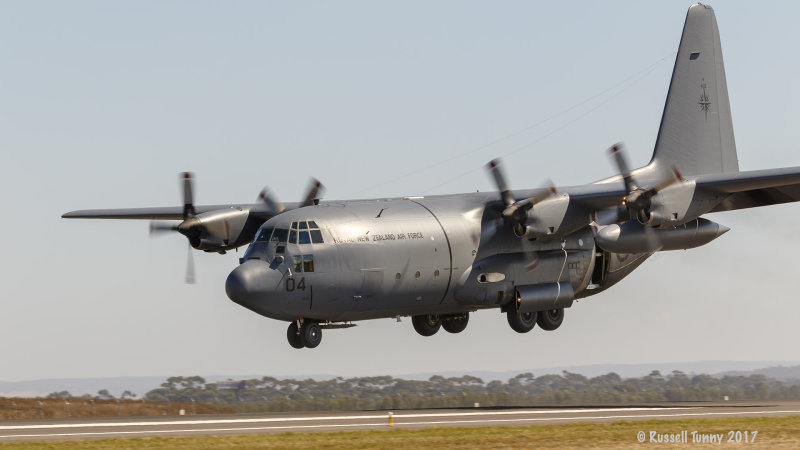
x: 59, y: 407
x: 386, y: 392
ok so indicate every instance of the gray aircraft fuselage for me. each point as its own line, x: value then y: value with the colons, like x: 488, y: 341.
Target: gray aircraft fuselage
x: 410, y: 256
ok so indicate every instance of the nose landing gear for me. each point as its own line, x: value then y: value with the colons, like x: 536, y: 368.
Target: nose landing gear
x: 308, y: 334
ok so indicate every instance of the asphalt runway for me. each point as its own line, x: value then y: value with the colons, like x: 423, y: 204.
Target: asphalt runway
x: 205, y: 425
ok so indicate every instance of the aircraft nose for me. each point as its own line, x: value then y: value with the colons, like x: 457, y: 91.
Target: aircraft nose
x: 245, y: 283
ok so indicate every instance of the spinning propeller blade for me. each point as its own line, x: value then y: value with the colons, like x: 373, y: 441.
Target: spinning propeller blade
x: 188, y: 194
x: 266, y: 197
x: 189, y: 279
x: 638, y: 200
x: 500, y: 181
x: 314, y: 190
x: 515, y: 212
x: 160, y: 228
x: 622, y: 165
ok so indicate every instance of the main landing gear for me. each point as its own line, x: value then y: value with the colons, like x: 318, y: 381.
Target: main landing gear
x: 524, y: 322
x: 308, y: 334
x: 551, y: 319
x: 521, y: 322
x: 428, y: 325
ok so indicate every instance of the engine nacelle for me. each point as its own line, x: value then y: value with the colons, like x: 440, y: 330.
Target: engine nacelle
x: 552, y: 217
x: 631, y: 237
x: 219, y: 230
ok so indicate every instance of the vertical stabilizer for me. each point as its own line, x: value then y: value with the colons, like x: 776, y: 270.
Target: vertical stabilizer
x: 696, y: 133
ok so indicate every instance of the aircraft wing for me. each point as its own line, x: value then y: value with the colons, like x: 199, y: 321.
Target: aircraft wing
x: 157, y: 213
x: 753, y: 188
x: 742, y: 190
x: 597, y: 196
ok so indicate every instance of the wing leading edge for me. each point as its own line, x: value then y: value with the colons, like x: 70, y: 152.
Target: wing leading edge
x: 157, y: 213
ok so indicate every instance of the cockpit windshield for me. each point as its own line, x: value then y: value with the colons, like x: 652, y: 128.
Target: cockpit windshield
x: 264, y: 235
x: 279, y: 235
x: 305, y: 233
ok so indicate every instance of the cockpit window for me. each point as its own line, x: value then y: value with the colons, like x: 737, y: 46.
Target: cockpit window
x: 302, y: 263
x: 303, y: 232
x: 308, y: 263
x: 279, y: 235
x: 264, y: 235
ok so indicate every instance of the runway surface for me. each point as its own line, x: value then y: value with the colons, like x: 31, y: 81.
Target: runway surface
x: 98, y: 428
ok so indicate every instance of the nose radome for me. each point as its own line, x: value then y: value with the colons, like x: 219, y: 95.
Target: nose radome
x: 235, y: 285
x: 242, y: 285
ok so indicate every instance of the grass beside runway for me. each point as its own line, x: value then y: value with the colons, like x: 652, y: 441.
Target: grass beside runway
x: 773, y: 432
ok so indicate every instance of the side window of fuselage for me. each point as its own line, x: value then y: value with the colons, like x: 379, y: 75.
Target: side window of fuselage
x: 303, y: 263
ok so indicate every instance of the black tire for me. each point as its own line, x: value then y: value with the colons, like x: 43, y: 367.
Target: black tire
x: 293, y: 334
x: 311, y: 334
x: 521, y: 322
x: 426, y: 325
x: 455, y: 324
x: 551, y: 319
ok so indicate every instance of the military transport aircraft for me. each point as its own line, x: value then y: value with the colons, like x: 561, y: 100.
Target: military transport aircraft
x: 530, y: 253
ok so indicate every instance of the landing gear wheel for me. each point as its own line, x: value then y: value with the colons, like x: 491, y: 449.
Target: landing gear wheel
x: 551, y: 319
x: 426, y: 325
x: 521, y: 322
x: 455, y: 324
x: 311, y: 334
x: 293, y: 334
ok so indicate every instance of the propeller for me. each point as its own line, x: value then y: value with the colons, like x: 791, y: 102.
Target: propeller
x: 515, y: 212
x: 159, y: 228
x: 314, y: 190
x: 636, y: 205
x: 189, y: 227
x: 266, y: 197
x: 211, y: 230
x: 638, y: 201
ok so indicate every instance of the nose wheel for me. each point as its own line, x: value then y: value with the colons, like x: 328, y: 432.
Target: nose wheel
x: 308, y: 335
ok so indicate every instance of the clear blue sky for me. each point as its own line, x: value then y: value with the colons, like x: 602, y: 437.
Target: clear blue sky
x: 103, y: 103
